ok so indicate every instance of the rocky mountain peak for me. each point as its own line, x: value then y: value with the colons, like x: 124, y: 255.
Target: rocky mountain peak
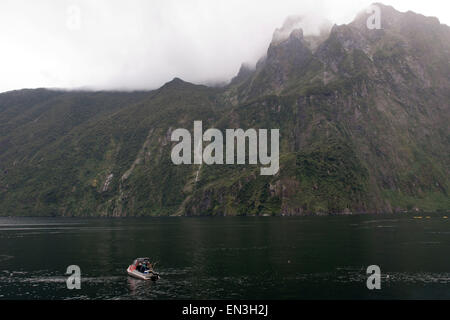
x: 392, y: 19
x: 175, y: 83
x: 290, y: 24
x: 244, y: 73
x: 290, y: 48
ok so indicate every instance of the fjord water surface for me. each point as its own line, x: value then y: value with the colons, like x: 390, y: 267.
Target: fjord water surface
x: 227, y: 257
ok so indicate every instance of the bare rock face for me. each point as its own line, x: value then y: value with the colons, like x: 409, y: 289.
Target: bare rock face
x: 244, y: 73
x: 107, y: 182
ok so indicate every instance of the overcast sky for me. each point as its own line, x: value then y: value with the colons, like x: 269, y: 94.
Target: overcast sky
x: 141, y: 44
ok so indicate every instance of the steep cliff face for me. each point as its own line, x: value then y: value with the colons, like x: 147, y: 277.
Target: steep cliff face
x: 363, y: 117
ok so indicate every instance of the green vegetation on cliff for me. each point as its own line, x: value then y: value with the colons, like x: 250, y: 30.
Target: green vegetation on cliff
x: 363, y: 122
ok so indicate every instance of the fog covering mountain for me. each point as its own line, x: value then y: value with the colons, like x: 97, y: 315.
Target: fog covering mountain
x: 363, y: 117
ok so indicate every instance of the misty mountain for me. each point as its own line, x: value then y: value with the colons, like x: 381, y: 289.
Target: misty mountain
x: 363, y: 117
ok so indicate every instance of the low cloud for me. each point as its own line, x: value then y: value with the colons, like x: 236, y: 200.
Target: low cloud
x: 138, y: 44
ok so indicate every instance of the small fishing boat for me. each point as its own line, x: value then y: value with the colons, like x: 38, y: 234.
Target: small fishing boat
x: 141, y: 268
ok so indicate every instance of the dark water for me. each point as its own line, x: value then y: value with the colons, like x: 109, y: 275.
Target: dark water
x: 227, y: 258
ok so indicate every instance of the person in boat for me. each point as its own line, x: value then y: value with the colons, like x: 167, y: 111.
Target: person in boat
x: 144, y: 266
